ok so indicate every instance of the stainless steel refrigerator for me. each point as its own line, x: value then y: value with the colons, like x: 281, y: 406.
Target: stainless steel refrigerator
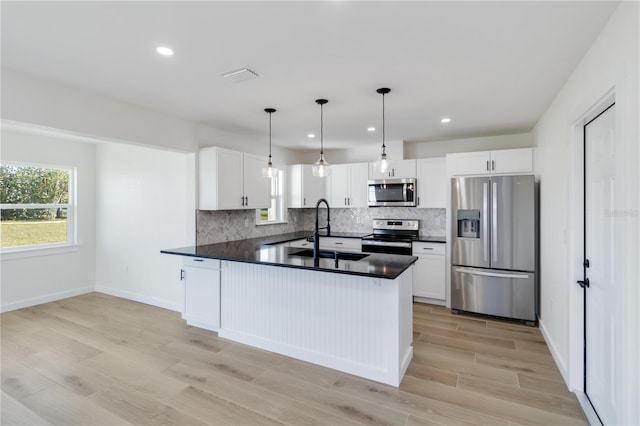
x: 494, y: 246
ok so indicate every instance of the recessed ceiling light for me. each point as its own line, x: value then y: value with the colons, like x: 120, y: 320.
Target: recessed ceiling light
x: 371, y: 129
x: 445, y: 120
x: 165, y: 51
x: 311, y: 135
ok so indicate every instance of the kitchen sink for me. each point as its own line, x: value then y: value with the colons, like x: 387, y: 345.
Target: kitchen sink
x: 330, y: 254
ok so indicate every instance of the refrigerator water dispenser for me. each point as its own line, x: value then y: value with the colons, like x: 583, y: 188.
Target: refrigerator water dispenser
x: 468, y: 223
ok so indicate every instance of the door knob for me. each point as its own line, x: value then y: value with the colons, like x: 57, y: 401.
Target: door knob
x: 583, y: 283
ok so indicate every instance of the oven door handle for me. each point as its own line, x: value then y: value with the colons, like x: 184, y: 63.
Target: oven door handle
x: 386, y: 243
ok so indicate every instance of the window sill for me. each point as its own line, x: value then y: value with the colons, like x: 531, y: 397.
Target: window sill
x: 279, y: 222
x: 38, y: 251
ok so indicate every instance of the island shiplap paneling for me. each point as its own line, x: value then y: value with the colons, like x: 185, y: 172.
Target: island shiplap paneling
x: 346, y: 322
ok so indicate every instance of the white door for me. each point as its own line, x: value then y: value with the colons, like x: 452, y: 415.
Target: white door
x: 602, y: 327
x: 339, y: 185
x: 229, y: 171
x: 358, y: 177
x: 257, y: 188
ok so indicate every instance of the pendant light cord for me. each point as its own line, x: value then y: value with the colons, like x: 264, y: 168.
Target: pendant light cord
x: 270, y: 136
x: 383, y: 120
x: 321, y: 127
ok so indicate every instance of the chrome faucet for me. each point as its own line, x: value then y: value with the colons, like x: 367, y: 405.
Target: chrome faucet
x: 316, y: 234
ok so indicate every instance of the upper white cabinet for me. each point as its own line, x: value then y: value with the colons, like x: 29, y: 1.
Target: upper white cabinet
x: 399, y: 169
x: 347, y: 185
x: 432, y: 183
x: 232, y: 180
x: 304, y: 189
x: 505, y: 161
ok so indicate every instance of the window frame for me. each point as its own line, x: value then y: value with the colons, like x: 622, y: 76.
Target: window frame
x: 71, y: 206
x: 278, y: 194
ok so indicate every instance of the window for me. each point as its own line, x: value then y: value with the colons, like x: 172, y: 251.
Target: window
x: 275, y: 213
x: 37, y: 206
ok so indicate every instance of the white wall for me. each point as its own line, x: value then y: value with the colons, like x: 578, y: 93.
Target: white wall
x: 33, y: 280
x: 145, y: 203
x: 486, y: 143
x: 610, y: 64
x: 27, y: 99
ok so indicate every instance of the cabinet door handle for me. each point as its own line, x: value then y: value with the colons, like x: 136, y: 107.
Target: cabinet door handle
x: 242, y: 200
x: 493, y: 164
x: 246, y: 201
x: 182, y: 274
x: 345, y: 201
x: 418, y: 200
x: 487, y: 165
x: 338, y: 243
x: 427, y: 248
x: 304, y: 201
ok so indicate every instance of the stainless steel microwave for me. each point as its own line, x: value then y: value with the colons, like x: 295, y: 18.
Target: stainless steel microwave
x: 392, y: 193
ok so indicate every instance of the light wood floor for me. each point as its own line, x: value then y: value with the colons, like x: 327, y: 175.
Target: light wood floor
x: 101, y: 360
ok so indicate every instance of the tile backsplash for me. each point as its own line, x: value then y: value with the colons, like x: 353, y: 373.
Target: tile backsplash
x: 229, y: 225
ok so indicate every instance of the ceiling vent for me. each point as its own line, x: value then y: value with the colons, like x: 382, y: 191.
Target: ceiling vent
x: 241, y: 75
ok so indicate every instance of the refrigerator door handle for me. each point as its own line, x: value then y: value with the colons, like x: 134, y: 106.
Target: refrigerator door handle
x: 494, y: 222
x: 491, y: 274
x: 485, y: 220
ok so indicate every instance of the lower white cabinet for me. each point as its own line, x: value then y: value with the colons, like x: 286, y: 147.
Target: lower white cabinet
x: 201, y: 292
x: 429, y: 271
x: 352, y: 245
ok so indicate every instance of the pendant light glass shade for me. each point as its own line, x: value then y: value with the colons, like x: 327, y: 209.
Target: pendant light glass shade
x: 382, y: 163
x: 321, y: 167
x: 269, y: 171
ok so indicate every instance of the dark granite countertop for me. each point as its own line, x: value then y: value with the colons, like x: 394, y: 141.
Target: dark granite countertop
x: 261, y: 250
x: 430, y: 239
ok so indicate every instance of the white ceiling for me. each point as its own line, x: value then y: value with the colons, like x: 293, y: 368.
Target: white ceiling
x: 493, y: 67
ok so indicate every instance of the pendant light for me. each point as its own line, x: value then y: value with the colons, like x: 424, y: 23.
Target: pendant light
x: 269, y: 171
x: 382, y: 163
x: 321, y: 167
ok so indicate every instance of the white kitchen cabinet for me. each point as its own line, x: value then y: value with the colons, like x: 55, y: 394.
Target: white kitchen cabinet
x: 304, y: 189
x: 232, y: 180
x: 505, y: 161
x: 399, y: 169
x: 432, y: 183
x: 429, y: 272
x: 352, y: 245
x: 201, y: 279
x: 347, y: 185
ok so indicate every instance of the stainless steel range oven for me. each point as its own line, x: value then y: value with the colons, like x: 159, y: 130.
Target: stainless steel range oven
x: 392, y: 236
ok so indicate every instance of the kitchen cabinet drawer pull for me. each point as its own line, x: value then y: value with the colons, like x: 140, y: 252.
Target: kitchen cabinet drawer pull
x: 427, y: 248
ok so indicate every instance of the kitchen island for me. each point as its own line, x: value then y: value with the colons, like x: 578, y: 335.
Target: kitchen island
x: 350, y: 315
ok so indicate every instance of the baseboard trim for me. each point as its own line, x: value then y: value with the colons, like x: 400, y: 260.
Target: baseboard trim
x: 587, y: 409
x: 25, y: 303
x: 429, y: 301
x: 153, y: 301
x: 554, y: 353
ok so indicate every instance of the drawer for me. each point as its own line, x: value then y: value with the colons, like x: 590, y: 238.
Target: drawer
x: 201, y: 262
x: 428, y: 248
x: 346, y: 244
